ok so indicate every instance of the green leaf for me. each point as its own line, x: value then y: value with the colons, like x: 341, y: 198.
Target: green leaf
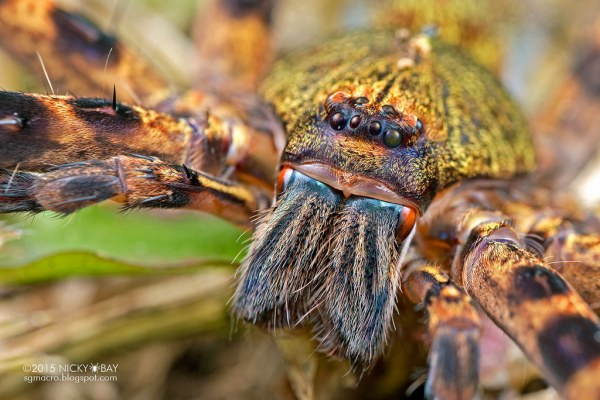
x: 75, y: 264
x: 101, y: 241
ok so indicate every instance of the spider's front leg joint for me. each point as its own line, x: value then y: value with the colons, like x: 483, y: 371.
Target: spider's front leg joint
x: 454, y: 328
x: 132, y: 180
x: 534, y: 305
x: 237, y: 134
x: 136, y: 181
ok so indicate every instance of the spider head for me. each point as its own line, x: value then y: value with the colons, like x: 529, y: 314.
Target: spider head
x: 365, y: 148
x: 329, y: 250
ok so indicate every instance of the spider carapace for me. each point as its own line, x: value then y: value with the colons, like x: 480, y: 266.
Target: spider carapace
x: 398, y: 164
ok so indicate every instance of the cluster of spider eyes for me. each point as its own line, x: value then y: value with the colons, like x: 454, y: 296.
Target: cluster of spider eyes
x: 392, y: 135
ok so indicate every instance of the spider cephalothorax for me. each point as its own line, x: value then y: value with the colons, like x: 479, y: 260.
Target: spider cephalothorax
x: 404, y: 169
x: 384, y: 149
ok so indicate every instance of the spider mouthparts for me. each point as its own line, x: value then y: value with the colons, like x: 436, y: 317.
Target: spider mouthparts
x: 352, y: 184
x: 330, y: 259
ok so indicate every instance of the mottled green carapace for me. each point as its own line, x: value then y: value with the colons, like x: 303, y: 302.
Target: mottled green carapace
x: 411, y: 115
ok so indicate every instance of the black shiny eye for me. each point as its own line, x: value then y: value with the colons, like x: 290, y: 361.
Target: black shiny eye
x: 361, y: 101
x: 338, y: 121
x: 387, y: 109
x: 419, y: 126
x: 374, y: 128
x: 392, y: 138
x: 355, y: 121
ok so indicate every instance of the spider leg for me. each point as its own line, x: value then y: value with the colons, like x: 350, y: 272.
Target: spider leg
x: 557, y: 231
x: 234, y: 43
x: 454, y: 328
x: 577, y: 258
x: 41, y: 131
x: 573, y: 250
x: 78, y: 56
x: 532, y: 303
x: 226, y: 134
x: 565, y: 130
x: 135, y: 181
x: 38, y: 131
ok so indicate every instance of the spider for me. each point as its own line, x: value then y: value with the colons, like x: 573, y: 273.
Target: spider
x: 401, y: 167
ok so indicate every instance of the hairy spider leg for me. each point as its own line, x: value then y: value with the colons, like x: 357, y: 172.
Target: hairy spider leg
x: 533, y: 304
x: 454, y: 329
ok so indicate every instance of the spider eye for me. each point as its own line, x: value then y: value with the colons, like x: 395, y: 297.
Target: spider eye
x: 406, y: 222
x: 283, y: 180
x: 389, y: 110
x: 392, y: 138
x: 338, y: 121
x: 374, y: 128
x: 355, y: 121
x: 419, y: 126
x: 361, y: 101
